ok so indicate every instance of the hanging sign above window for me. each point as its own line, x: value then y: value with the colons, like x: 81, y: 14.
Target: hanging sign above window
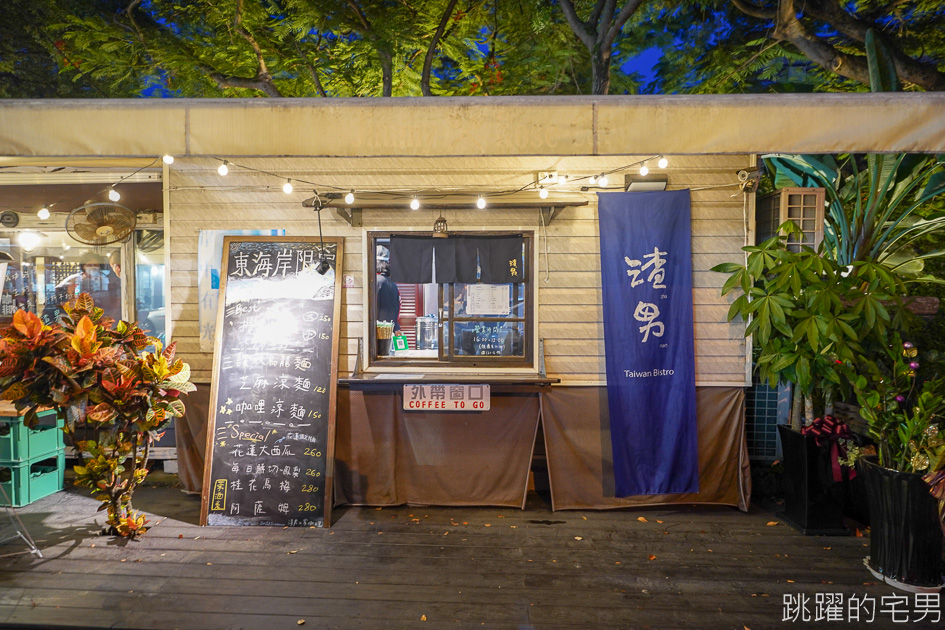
x: 446, y: 398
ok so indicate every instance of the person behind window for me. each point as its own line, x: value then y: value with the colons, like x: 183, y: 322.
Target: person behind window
x: 98, y: 279
x: 388, y: 295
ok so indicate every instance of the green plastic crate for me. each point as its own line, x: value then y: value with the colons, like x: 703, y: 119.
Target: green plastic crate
x: 33, y: 479
x: 19, y: 443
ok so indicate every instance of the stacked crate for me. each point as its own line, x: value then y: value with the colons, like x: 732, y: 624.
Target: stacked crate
x: 32, y: 460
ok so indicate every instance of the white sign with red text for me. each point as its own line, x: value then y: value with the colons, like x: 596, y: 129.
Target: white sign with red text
x: 446, y: 397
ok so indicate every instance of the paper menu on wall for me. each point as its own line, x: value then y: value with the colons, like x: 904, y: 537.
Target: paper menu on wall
x: 488, y: 299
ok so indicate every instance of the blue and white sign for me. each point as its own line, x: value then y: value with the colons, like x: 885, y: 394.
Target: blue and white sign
x: 646, y: 272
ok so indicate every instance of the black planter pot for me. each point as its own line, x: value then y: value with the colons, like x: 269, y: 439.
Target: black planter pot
x: 813, y: 501
x: 905, y: 536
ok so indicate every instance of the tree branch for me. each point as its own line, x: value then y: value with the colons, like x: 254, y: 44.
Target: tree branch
x: 128, y: 10
x: 625, y: 14
x: 262, y: 71
x: 431, y: 49
x: 312, y: 70
x: 753, y: 10
x: 227, y: 81
x: 580, y: 29
x: 601, y: 24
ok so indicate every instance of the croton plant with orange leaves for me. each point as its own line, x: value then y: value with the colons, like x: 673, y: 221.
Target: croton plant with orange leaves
x: 114, y: 395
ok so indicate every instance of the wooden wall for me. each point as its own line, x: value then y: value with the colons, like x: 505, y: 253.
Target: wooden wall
x: 569, y: 310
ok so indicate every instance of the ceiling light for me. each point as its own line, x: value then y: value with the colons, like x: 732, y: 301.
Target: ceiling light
x: 481, y: 202
x: 223, y: 169
x: 663, y: 163
x: 593, y: 179
x: 168, y: 159
x: 29, y: 240
x: 43, y: 213
x: 113, y: 194
x: 349, y: 198
x: 414, y: 204
x: 644, y: 170
x: 602, y: 181
x: 287, y: 187
x: 542, y: 192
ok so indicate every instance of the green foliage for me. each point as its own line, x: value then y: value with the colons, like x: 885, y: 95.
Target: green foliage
x: 810, y: 315
x: 877, y: 205
x: 903, y: 400
x: 114, y: 395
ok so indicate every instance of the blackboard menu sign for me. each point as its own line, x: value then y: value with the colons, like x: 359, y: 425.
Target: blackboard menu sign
x: 270, y: 439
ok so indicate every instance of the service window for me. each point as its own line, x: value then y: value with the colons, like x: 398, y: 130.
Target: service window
x: 463, y: 301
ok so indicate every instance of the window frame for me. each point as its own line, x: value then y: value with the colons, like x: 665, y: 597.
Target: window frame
x: 448, y: 361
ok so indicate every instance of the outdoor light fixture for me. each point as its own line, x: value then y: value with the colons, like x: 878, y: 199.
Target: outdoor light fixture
x: 223, y: 169
x: 663, y: 163
x: 414, y: 204
x: 481, y: 202
x: 29, y: 240
x: 323, y: 266
x: 113, y: 194
x: 287, y: 187
x: 439, y: 227
x: 168, y: 159
x: 542, y: 192
x: 43, y: 213
x: 349, y: 198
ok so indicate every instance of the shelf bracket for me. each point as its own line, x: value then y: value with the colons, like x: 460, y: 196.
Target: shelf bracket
x: 549, y: 213
x: 351, y: 216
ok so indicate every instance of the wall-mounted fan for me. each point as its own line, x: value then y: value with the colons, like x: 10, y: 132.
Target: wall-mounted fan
x: 100, y: 223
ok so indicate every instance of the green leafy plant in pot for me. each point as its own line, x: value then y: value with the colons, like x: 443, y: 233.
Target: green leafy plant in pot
x: 114, y: 395
x: 903, y: 400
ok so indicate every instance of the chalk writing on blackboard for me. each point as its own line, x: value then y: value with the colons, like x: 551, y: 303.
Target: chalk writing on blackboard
x: 269, y: 446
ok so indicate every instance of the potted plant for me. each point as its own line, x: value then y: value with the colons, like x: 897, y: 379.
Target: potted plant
x: 114, y: 396
x: 903, y: 400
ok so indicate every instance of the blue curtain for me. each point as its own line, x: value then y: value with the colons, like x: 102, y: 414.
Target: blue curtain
x: 646, y: 273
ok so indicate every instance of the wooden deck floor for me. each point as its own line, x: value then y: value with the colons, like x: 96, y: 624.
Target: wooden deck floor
x: 425, y: 567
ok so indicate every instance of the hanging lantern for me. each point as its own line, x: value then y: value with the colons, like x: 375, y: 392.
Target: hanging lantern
x: 439, y: 227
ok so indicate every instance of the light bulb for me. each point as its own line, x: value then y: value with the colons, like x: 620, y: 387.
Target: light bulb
x: 542, y: 192
x: 593, y: 179
x: 113, y: 194
x: 43, y: 213
x: 168, y: 159
x: 481, y: 202
x: 663, y: 163
x: 223, y: 169
x: 644, y: 170
x: 414, y: 204
x: 287, y: 187
x: 28, y: 240
x: 602, y: 181
x: 349, y: 198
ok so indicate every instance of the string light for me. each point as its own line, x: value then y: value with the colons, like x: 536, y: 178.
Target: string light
x: 168, y: 158
x: 414, y: 204
x: 349, y: 198
x: 542, y: 192
x: 644, y: 170
x: 223, y: 169
x: 592, y: 180
x: 113, y: 194
x: 43, y: 213
x: 602, y: 180
x: 481, y: 202
x: 663, y: 163
x: 287, y: 187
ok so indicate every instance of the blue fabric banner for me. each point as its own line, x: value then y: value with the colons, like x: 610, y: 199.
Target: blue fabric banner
x: 646, y: 272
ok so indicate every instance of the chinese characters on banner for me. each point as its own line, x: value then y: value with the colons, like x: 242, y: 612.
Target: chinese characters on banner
x: 646, y: 274
x: 268, y: 456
